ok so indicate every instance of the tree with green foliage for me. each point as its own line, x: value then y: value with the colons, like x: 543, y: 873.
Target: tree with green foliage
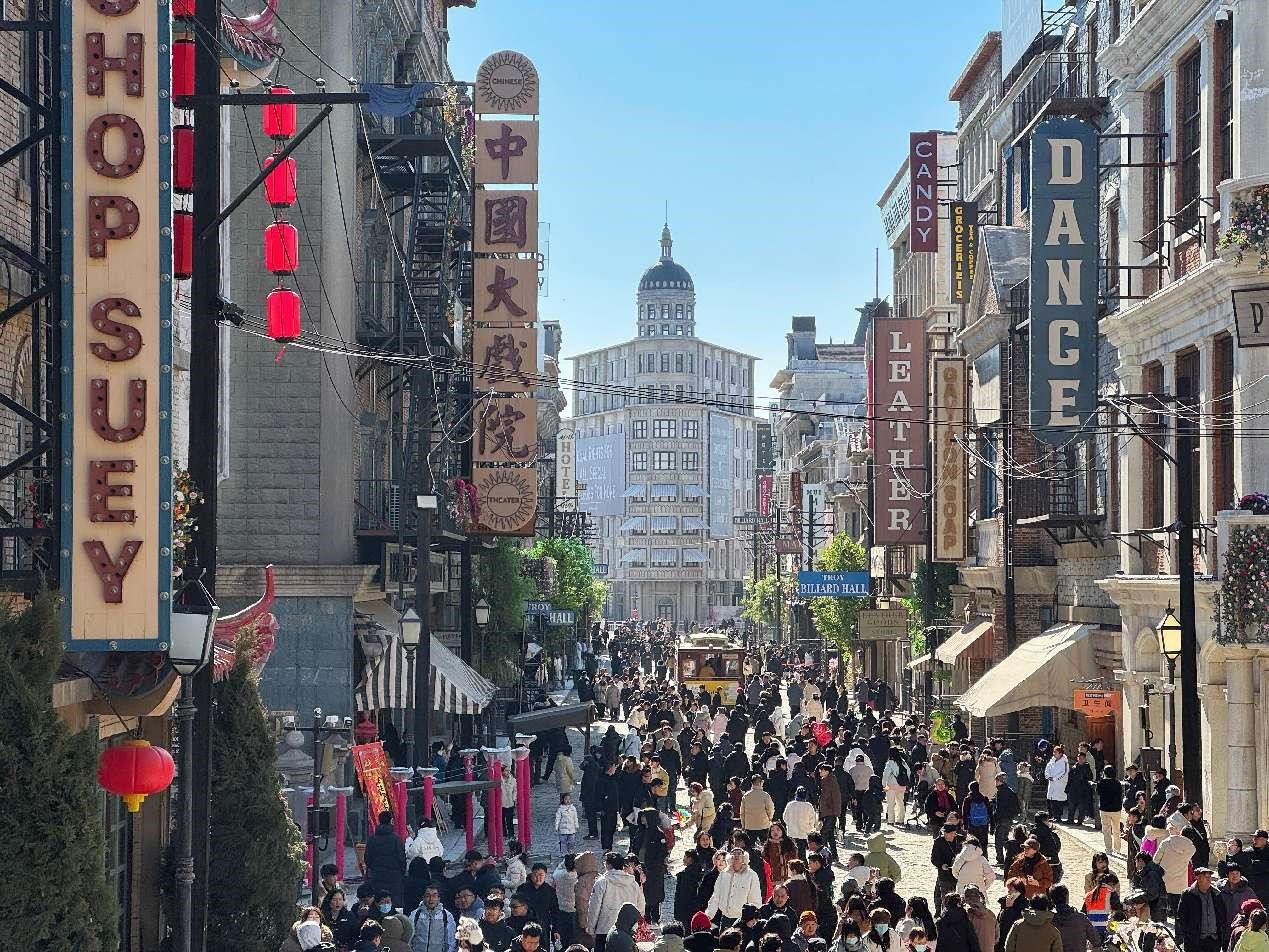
x: 945, y: 576
x: 837, y: 618
x: 253, y: 884
x: 53, y: 889
x: 502, y: 583
x: 762, y: 599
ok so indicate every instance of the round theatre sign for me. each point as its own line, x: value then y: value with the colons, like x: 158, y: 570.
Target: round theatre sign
x: 508, y: 499
x: 507, y: 85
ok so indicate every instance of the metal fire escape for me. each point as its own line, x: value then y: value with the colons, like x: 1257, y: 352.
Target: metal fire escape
x: 30, y: 313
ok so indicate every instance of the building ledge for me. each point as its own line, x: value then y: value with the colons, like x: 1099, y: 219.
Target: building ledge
x: 1155, y: 590
x: 1027, y: 579
x: 1154, y: 25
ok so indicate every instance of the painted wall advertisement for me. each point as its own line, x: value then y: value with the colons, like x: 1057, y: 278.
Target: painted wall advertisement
x: 900, y: 429
x: 1063, y: 286
x: 721, y: 497
x: 117, y: 340
x: 951, y: 471
x: 601, y: 468
x: 923, y: 169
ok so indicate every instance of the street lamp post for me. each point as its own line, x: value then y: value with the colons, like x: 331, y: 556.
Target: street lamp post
x: 482, y: 613
x: 411, y: 635
x: 193, y: 622
x: 1169, y: 632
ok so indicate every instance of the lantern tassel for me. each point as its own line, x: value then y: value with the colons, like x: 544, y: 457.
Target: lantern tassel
x: 277, y: 358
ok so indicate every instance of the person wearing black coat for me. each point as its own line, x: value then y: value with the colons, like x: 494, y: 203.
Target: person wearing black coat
x: 592, y: 770
x: 653, y: 855
x: 417, y: 879
x: 385, y: 859
x: 1197, y: 834
x: 1189, y: 916
x: 686, y: 884
x: 1014, y: 905
x: 956, y: 933
x: 879, y: 750
x: 1008, y: 808
x: 607, y: 804
x: 942, y: 854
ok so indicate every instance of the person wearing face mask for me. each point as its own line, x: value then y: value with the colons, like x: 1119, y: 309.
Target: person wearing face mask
x: 880, y: 937
x: 848, y: 938
x: 309, y: 933
x: 918, y: 941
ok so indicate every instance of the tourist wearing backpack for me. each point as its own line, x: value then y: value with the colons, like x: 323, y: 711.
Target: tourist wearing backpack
x: 896, y: 777
x: 976, y: 813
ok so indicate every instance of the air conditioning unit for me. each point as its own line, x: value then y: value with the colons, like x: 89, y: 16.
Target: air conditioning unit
x: 392, y: 502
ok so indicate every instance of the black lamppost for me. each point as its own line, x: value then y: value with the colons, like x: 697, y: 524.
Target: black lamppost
x: 411, y: 635
x: 190, y: 631
x: 1168, y: 632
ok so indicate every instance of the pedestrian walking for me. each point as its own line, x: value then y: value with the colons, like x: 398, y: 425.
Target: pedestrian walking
x: 566, y: 823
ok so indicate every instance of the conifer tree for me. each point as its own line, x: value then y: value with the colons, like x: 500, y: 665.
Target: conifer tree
x: 257, y: 850
x: 53, y: 889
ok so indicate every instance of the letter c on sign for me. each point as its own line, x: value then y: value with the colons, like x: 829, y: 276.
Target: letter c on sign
x: 1060, y: 355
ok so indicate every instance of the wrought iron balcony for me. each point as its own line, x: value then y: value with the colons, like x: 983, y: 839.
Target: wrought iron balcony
x: 1065, y: 84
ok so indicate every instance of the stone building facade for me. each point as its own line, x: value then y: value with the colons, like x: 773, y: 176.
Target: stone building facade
x: 666, y: 445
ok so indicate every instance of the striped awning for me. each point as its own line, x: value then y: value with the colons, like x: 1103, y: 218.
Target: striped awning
x: 635, y: 491
x: 693, y: 522
x: 693, y: 492
x: 633, y: 524
x: 455, y: 687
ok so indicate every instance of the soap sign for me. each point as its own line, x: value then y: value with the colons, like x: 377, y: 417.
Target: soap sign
x: 116, y: 558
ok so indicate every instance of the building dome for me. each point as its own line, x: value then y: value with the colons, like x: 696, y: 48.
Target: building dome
x: 665, y: 275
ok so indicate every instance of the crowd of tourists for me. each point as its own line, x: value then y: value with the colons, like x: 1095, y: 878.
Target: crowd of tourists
x: 766, y: 790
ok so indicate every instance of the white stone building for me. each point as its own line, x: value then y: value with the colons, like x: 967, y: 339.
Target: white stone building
x: 666, y: 444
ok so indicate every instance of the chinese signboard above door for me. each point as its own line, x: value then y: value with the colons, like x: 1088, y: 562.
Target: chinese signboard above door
x: 117, y: 339
x: 504, y: 346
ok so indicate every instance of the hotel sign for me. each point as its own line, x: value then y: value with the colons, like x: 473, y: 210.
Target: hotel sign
x: 951, y: 473
x: 1063, y: 286
x: 116, y: 556
x: 900, y: 441
x: 923, y: 171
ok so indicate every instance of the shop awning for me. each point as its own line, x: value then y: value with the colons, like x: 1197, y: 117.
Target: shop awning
x: 1038, y: 673
x: 919, y: 662
x: 959, y: 641
x: 567, y: 715
x: 456, y: 687
x: 665, y: 489
x: 634, y: 555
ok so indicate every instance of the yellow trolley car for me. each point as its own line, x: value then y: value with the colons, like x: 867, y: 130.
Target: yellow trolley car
x: 713, y: 661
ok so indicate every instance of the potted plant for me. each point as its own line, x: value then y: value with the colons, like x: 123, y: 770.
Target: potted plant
x: 1248, y: 230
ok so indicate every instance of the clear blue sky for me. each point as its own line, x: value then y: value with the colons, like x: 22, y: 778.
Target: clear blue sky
x: 770, y: 128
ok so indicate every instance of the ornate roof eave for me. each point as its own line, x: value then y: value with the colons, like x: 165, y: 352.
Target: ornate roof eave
x: 252, y: 45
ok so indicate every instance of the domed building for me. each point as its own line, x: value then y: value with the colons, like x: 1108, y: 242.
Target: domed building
x: 665, y: 450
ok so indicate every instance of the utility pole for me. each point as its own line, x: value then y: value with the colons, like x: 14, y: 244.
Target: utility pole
x: 204, y: 434
x: 779, y: 592
x: 421, y: 407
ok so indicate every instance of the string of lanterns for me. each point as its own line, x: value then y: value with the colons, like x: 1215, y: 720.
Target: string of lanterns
x: 281, y: 239
x: 183, y: 142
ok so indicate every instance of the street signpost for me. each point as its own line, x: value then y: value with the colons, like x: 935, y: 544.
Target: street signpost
x: 561, y: 618
x: 537, y: 608
x: 749, y: 519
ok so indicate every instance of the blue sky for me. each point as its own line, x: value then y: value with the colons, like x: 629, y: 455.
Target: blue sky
x: 770, y: 128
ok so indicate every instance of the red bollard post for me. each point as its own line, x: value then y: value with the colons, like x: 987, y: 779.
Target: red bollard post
x: 469, y: 767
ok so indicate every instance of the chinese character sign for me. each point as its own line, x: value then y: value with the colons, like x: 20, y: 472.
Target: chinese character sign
x: 1097, y: 703
x: 506, y: 430
x: 375, y: 775
x: 899, y: 427
x: 506, y: 291
x: 950, y: 463
x: 116, y: 564
x: 1064, y: 255
x: 765, y: 490
x: 505, y: 359
x: 507, y: 152
x: 506, y: 222
x: 923, y: 171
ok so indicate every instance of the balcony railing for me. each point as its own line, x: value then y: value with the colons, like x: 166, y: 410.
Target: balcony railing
x: 1065, y: 76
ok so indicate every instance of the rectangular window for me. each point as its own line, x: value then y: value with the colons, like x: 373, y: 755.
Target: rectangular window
x: 1155, y: 155
x: 691, y: 461
x: 1189, y: 140
x: 665, y: 525
x: 691, y: 430
x: 987, y: 478
x: 690, y: 364
x: 678, y: 363
x: 665, y: 363
x: 1223, y: 423
x: 639, y: 429
x: 1187, y: 441
x: 639, y: 462
x: 1114, y: 20
x: 1023, y: 155
x: 665, y: 330
x: 1153, y: 516
x: 639, y: 364
x: 664, y: 459
x: 663, y: 429
x: 1112, y: 250
x: 678, y: 392
x: 1224, y: 47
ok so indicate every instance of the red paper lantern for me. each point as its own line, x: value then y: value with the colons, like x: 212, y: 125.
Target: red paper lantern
x: 183, y: 68
x: 183, y: 9
x: 183, y: 159
x: 133, y: 770
x: 183, y: 244
x: 279, y: 118
x: 282, y: 310
x: 281, y: 247
x: 279, y: 184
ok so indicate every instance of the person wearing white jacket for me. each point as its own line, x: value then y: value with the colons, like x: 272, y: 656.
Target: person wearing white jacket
x: 612, y: 890
x: 1174, y: 854
x: 1057, y: 772
x: 508, y: 802
x: 971, y: 867
x: 426, y: 844
x: 736, y: 887
x: 801, y: 819
x: 566, y: 823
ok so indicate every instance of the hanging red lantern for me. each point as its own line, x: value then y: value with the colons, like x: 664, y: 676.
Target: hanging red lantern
x: 183, y: 9
x: 282, y: 311
x: 133, y: 770
x: 279, y: 184
x: 279, y: 118
x: 281, y: 248
x: 183, y: 159
x: 183, y: 244
x: 183, y: 68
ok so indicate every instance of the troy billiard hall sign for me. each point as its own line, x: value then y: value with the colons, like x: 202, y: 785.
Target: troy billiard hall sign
x: 116, y: 325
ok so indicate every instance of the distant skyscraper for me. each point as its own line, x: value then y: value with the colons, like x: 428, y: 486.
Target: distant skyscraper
x: 666, y: 441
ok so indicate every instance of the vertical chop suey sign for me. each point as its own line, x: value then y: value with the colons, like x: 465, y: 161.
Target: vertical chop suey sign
x: 117, y: 329
x: 900, y: 437
x: 1064, y: 249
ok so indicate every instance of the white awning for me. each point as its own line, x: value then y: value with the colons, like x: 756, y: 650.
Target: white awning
x: 456, y: 687
x: 959, y: 641
x: 918, y: 662
x: 693, y: 522
x: 665, y: 489
x: 636, y: 491
x: 694, y: 557
x: 693, y: 492
x: 633, y: 524
x: 1039, y: 673
x: 634, y: 555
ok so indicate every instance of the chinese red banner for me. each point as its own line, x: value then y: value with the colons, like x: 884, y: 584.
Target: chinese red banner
x: 375, y: 775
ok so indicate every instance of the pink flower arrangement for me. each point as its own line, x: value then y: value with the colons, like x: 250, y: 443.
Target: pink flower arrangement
x: 1249, y: 229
